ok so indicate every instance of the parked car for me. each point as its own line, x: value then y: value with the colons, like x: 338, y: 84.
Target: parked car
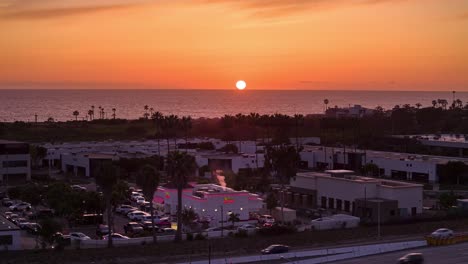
x: 12, y: 217
x: 147, y: 225
x: 62, y: 239
x: 411, y: 258
x: 102, y: 230
x: 168, y: 231
x: 140, y: 200
x: 213, y: 229
x: 266, y: 219
x: 135, y: 195
x: 21, y: 222
x: 148, y: 218
x: 79, y: 188
x: 442, y: 233
x: 7, y: 202
x: 32, y: 228
x: 79, y: 236
x: 247, y: 228
x: 20, y: 206
x: 116, y: 236
x: 275, y: 249
x: 88, y: 219
x: 7, y: 214
x: 125, y: 209
x: 136, y: 215
x: 133, y: 228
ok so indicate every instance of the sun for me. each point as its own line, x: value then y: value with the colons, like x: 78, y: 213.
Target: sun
x: 241, y: 85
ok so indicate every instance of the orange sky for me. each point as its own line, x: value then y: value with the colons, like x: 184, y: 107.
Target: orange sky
x: 272, y: 44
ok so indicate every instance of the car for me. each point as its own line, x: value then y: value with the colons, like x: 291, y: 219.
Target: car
x: 266, y: 219
x: 275, y: 249
x: 213, y: 229
x: 135, y: 195
x: 136, y: 215
x: 7, y: 214
x: 148, y: 218
x: 21, y: 222
x: 79, y: 188
x: 7, y: 202
x: 147, y: 225
x: 12, y: 217
x: 32, y: 228
x: 79, y: 236
x: 102, y: 230
x: 20, y: 206
x: 442, y: 233
x: 140, y: 200
x: 133, y: 228
x: 411, y: 258
x: 125, y: 209
x: 168, y: 231
x: 116, y: 236
x: 247, y: 228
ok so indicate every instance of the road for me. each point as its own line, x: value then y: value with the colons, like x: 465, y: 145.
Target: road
x: 454, y: 254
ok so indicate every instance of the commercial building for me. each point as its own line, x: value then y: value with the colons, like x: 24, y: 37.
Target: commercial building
x: 209, y: 201
x: 229, y: 162
x: 10, y: 235
x: 456, y: 143
x: 15, y: 162
x: 342, y: 191
x: 398, y: 166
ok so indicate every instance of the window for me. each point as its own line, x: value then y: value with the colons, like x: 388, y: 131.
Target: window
x: 323, y: 202
x: 6, y: 240
x: 413, y: 211
x: 392, y: 212
x: 347, y: 206
x: 15, y: 163
x: 331, y: 203
x: 339, y: 204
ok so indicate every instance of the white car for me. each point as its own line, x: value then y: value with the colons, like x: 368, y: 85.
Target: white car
x: 79, y: 236
x: 20, y: 207
x: 140, y: 200
x: 148, y: 218
x: 247, y: 228
x: 116, y: 236
x: 125, y: 209
x: 135, y: 195
x: 266, y: 219
x: 78, y: 188
x: 137, y: 215
x: 442, y: 233
x: 21, y: 222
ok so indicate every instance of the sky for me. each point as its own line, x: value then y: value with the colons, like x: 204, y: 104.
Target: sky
x: 210, y: 44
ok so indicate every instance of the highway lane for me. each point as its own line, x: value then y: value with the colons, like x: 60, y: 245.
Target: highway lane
x: 454, y: 254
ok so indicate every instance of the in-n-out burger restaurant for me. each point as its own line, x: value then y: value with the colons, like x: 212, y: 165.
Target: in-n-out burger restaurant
x: 209, y: 201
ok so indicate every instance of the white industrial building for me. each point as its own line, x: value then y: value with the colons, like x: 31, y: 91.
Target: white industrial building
x: 456, y: 142
x: 10, y: 235
x: 209, y: 201
x: 15, y: 162
x: 400, y: 166
x: 229, y: 161
x: 343, y: 191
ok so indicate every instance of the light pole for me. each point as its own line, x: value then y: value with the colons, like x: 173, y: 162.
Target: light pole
x: 378, y: 220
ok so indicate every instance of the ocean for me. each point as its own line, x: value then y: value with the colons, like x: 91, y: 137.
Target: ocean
x: 22, y: 105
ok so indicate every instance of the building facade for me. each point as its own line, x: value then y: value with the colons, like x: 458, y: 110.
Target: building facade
x: 15, y: 162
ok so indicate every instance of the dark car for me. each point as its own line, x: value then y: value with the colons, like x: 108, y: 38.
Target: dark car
x: 147, y: 225
x: 32, y: 228
x: 275, y: 249
x: 7, y: 202
x: 102, y: 230
x: 411, y: 258
x: 133, y: 228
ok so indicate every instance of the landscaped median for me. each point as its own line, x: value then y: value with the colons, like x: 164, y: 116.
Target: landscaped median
x: 323, y: 255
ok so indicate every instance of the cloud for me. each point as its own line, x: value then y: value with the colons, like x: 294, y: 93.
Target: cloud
x: 43, y: 9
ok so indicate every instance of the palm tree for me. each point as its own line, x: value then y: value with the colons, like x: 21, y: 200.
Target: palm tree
x: 90, y: 114
x: 434, y: 103
x: 298, y: 121
x: 186, y: 125
x: 113, y: 113
x: 418, y: 105
x: 106, y: 178
x: 233, y: 218
x: 158, y: 119
x: 100, y: 112
x: 146, y: 115
x: 149, y: 181
x: 326, y: 102
x: 254, y: 120
x: 76, y: 114
x: 179, y: 167
x: 92, y: 111
x: 151, y: 111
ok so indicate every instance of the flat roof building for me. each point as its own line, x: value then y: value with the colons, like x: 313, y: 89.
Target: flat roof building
x: 10, y: 235
x: 15, y: 162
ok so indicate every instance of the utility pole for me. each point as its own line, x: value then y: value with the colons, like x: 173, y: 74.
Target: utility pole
x: 222, y: 221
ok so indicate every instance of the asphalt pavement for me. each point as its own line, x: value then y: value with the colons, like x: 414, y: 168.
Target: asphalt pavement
x: 453, y: 254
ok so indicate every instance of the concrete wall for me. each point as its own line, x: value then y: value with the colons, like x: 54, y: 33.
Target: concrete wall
x: 16, y: 170
x: 16, y: 237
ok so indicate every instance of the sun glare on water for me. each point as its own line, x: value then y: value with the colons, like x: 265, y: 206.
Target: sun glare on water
x: 241, y: 85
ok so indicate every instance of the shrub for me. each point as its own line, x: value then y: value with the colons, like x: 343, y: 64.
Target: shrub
x: 189, y: 236
x: 241, y: 234
x: 200, y: 236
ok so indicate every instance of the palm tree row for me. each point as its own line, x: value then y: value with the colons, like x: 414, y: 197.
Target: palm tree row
x: 169, y: 126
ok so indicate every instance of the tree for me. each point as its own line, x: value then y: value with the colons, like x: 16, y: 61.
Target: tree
x: 149, y: 181
x: 271, y: 202
x: 49, y: 227
x: 326, y: 102
x: 283, y: 161
x: 113, y: 113
x: 418, y: 105
x: 370, y: 169
x: 158, y: 119
x: 107, y: 177
x: 146, y: 115
x: 447, y: 200
x: 37, y: 154
x: 233, y: 218
x: 179, y: 167
x: 76, y: 114
x: 229, y: 148
x: 188, y: 217
x: 186, y: 125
